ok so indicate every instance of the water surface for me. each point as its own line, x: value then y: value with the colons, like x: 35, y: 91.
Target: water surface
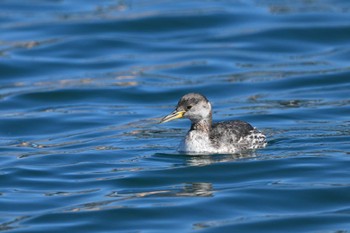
x: 83, y: 85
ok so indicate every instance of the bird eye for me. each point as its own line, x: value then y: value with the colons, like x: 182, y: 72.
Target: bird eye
x: 189, y: 107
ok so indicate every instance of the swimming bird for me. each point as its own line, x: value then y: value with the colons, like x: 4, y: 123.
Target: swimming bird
x: 205, y: 137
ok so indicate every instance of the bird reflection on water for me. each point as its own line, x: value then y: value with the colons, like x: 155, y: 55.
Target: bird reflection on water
x: 203, y: 160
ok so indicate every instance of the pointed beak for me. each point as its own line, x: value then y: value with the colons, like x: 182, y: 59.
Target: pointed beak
x: 173, y: 116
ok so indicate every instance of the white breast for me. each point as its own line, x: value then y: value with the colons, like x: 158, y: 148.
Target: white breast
x: 196, y: 142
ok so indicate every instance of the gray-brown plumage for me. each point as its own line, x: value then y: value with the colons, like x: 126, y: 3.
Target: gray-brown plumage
x: 205, y: 137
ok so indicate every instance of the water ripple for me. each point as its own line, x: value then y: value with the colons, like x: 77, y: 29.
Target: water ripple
x: 84, y: 84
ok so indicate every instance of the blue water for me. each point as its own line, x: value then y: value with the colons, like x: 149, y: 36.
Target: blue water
x: 83, y: 85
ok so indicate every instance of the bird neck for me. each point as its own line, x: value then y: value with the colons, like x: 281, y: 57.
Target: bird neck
x: 202, y: 125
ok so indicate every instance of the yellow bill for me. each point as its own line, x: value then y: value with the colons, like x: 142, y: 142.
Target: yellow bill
x: 173, y: 116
